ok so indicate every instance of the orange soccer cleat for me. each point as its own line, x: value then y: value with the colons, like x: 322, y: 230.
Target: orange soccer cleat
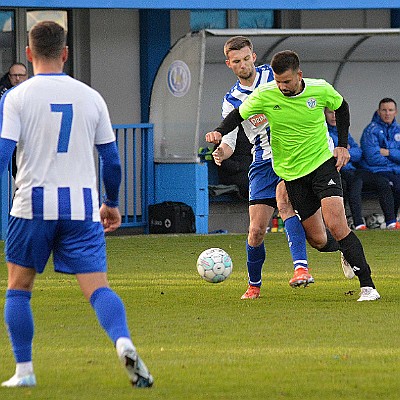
x: 301, y: 277
x: 361, y: 227
x: 252, y: 292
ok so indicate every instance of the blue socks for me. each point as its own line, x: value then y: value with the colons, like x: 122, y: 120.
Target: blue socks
x: 110, y: 312
x: 19, y: 320
x: 296, y: 238
x: 255, y: 261
x: 18, y: 317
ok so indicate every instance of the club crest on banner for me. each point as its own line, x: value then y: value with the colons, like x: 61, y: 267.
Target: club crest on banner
x: 178, y: 78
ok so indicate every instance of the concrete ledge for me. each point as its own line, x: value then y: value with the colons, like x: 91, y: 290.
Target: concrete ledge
x: 234, y: 217
x: 231, y: 217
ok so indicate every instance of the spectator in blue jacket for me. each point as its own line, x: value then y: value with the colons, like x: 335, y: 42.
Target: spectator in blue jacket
x: 354, y: 179
x: 380, y: 143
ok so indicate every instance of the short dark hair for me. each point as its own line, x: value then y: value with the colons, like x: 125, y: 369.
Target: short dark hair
x: 285, y: 60
x: 237, y: 43
x: 47, y: 39
x: 387, y: 100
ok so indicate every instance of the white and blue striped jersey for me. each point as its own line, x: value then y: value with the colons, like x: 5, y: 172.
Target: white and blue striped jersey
x: 256, y: 127
x: 57, y: 121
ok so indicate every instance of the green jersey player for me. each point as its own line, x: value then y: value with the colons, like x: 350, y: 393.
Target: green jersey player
x: 301, y: 143
x: 303, y: 155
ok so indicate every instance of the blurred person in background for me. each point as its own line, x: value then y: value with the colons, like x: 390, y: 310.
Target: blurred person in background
x: 355, y: 180
x: 380, y: 143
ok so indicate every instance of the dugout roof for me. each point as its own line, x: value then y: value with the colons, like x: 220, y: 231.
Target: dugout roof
x: 362, y: 64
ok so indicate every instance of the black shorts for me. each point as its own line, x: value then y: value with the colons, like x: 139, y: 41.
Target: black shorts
x: 306, y: 193
x: 269, y: 202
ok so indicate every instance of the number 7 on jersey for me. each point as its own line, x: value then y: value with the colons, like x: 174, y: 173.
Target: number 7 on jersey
x: 66, y: 124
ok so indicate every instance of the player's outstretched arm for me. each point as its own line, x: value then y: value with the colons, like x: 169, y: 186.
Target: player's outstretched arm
x: 228, y: 124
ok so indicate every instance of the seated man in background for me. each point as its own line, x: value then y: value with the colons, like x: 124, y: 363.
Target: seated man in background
x: 380, y: 144
x: 354, y: 180
x: 16, y: 74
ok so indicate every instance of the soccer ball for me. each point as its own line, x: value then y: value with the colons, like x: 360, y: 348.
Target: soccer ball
x: 375, y: 221
x: 214, y: 265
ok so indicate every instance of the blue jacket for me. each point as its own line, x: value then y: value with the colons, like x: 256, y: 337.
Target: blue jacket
x: 354, y: 150
x: 381, y: 135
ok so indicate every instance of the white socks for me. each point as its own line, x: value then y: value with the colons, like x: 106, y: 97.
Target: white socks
x: 123, y: 343
x: 23, y: 369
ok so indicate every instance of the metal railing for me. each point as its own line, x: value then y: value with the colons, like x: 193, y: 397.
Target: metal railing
x: 135, y: 144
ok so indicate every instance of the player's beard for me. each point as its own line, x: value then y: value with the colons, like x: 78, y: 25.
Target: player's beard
x: 288, y: 93
x: 246, y: 75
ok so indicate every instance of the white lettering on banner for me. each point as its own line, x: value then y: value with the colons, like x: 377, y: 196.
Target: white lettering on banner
x: 258, y: 119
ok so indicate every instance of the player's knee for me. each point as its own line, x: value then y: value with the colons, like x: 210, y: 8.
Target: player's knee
x: 338, y: 230
x: 256, y: 234
x: 317, y: 242
x: 285, y: 210
x: 283, y: 203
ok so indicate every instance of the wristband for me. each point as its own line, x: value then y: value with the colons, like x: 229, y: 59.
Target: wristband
x: 110, y: 203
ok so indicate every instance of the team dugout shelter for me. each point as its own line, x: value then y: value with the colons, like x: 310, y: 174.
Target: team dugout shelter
x: 193, y: 78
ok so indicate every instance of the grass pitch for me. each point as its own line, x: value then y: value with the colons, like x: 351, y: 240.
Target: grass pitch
x: 201, y: 341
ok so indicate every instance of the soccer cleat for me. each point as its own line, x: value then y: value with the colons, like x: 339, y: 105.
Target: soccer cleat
x: 368, y: 294
x: 394, y: 226
x: 301, y: 277
x: 137, y: 371
x: 361, y: 227
x: 252, y: 292
x: 20, y: 381
x: 346, y: 267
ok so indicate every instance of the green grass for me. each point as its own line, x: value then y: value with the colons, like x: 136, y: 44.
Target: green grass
x: 202, y: 342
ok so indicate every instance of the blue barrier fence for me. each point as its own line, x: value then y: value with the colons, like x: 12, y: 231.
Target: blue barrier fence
x: 135, y: 144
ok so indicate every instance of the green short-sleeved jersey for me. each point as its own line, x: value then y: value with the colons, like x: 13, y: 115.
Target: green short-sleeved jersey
x: 299, y: 135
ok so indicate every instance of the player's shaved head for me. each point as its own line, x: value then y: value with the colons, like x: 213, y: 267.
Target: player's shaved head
x: 47, y: 39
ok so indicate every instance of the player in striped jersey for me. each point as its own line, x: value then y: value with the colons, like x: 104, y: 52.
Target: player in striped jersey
x: 263, y: 181
x: 57, y: 122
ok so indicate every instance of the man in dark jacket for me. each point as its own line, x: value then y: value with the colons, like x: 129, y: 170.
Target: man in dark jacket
x: 380, y: 143
x: 16, y: 74
x: 354, y: 180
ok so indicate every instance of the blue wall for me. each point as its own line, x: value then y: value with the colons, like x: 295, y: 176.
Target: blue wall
x: 154, y: 45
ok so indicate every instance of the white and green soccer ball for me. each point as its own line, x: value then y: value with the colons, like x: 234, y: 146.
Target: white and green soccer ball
x: 214, y: 265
